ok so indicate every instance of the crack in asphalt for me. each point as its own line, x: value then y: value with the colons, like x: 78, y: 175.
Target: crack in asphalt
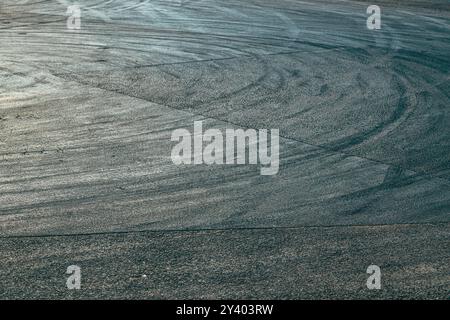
x: 201, y: 230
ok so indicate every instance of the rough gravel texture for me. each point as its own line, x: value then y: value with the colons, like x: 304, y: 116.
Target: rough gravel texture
x: 86, y: 175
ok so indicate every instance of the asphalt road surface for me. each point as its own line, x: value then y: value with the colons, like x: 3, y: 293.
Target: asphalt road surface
x: 86, y: 176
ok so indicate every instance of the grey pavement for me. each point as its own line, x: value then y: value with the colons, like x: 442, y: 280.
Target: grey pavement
x: 85, y: 170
